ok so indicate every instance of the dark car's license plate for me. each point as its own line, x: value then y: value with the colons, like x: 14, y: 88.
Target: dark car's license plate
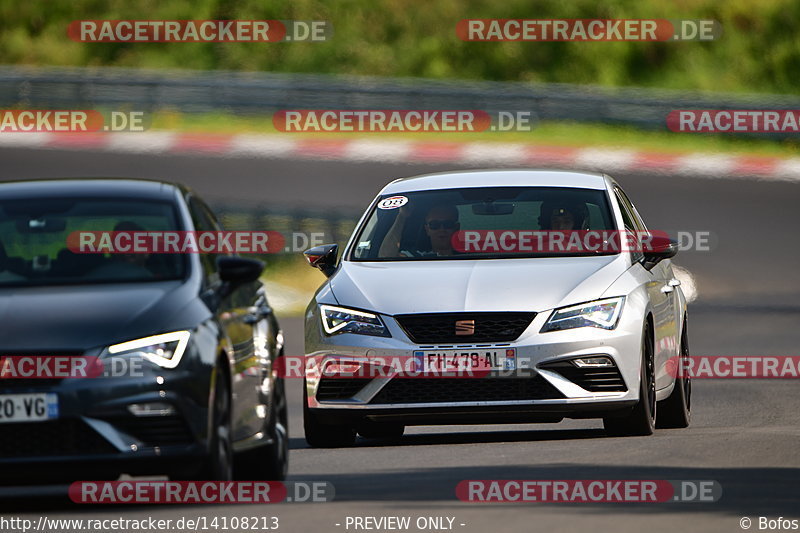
x: 29, y: 407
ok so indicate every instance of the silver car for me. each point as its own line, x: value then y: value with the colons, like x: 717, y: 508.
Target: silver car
x: 442, y: 311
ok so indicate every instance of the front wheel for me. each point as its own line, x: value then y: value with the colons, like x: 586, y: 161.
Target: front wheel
x: 270, y: 462
x: 676, y: 410
x: 219, y: 465
x: 642, y: 419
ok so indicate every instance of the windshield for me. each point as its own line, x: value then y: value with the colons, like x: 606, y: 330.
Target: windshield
x: 481, y: 223
x: 34, y: 246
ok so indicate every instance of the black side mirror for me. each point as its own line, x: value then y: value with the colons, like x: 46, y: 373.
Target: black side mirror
x: 656, y: 248
x: 323, y: 257
x: 239, y: 269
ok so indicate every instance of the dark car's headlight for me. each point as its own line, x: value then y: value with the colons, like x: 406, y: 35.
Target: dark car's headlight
x: 165, y: 350
x: 597, y: 314
x: 337, y: 320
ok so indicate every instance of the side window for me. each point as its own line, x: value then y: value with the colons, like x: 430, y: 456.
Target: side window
x: 363, y: 247
x: 637, y: 218
x: 209, y: 216
x: 204, y: 221
x: 628, y: 218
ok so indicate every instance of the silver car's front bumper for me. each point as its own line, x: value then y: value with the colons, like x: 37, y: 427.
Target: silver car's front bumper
x: 562, y: 398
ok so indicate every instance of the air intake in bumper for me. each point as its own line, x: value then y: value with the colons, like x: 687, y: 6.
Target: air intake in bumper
x: 592, y: 379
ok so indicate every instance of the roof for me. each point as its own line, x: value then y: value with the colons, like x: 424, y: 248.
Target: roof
x: 89, y: 187
x: 497, y: 178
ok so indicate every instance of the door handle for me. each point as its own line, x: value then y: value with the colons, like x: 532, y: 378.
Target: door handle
x: 668, y: 288
x: 674, y: 282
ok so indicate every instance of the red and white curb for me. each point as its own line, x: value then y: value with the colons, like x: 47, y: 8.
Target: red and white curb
x: 409, y: 151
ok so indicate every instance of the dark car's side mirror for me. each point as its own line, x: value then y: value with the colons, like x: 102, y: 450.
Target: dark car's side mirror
x: 657, y: 248
x: 239, y: 269
x: 323, y: 257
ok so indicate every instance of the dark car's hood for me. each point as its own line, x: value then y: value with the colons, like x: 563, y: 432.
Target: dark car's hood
x: 80, y: 317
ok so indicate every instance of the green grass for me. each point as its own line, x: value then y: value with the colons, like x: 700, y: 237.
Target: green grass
x: 758, y: 50
x: 568, y: 134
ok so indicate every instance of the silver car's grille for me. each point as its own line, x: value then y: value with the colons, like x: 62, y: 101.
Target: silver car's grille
x: 436, y: 328
x: 439, y: 390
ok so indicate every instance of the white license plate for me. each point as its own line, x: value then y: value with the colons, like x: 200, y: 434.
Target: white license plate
x: 468, y: 360
x: 29, y: 407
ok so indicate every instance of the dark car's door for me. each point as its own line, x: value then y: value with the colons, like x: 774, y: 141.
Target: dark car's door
x: 235, y: 313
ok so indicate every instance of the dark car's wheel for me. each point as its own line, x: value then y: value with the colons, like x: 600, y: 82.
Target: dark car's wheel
x: 270, y: 462
x: 321, y: 435
x: 676, y: 410
x: 219, y: 464
x: 381, y: 430
x: 641, y: 420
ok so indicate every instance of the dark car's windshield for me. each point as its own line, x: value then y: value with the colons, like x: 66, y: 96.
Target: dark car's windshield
x: 34, y: 247
x: 479, y: 223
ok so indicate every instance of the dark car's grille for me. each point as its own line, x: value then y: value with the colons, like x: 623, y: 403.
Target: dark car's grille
x: 154, y: 430
x: 435, y: 328
x: 340, y: 388
x: 32, y: 384
x: 57, y: 437
x: 21, y: 384
x: 433, y: 390
x: 591, y: 379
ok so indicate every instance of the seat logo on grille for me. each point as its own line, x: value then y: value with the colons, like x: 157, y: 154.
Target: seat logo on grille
x: 465, y: 327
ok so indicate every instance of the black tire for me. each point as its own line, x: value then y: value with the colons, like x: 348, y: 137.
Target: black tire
x: 381, y: 430
x: 676, y: 410
x: 321, y: 435
x: 219, y: 465
x: 642, y: 419
x: 270, y: 462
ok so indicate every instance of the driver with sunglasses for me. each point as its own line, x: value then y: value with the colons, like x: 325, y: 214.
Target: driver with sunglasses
x: 441, y: 222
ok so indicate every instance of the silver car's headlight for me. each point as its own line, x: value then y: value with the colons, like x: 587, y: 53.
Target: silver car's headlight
x: 337, y: 320
x: 597, y: 314
x: 165, y: 350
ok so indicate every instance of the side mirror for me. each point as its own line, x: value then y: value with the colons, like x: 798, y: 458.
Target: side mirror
x: 323, y: 257
x: 239, y: 269
x: 656, y: 249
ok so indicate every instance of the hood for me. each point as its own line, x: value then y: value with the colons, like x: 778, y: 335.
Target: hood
x: 80, y: 317
x: 535, y: 284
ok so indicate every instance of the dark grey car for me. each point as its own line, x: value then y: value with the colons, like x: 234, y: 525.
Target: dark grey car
x: 204, y: 391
